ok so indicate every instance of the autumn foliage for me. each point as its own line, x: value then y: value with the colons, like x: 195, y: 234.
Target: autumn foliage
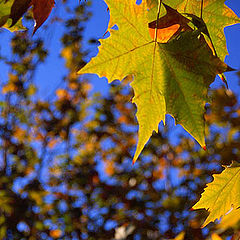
x: 66, y: 157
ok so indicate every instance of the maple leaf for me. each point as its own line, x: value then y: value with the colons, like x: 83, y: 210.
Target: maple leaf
x: 222, y: 194
x: 216, y: 16
x: 170, y: 78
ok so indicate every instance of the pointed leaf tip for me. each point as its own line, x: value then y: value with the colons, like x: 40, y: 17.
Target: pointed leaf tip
x: 230, y: 69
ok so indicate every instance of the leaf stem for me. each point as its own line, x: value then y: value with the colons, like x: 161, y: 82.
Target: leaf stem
x: 158, y: 14
x: 201, y: 16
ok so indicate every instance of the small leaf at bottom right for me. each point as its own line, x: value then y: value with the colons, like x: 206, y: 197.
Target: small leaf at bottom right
x: 222, y: 194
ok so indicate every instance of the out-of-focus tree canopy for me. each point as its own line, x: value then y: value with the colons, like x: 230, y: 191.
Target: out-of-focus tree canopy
x: 65, y: 161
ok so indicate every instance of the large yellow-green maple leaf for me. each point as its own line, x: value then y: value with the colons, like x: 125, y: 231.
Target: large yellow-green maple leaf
x: 216, y: 15
x: 171, y: 78
x: 222, y: 194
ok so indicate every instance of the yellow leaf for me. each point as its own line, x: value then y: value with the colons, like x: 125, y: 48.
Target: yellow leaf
x: 37, y: 197
x: 215, y: 236
x: 222, y: 194
x: 31, y: 90
x: 180, y: 236
x: 67, y: 54
x: 230, y: 220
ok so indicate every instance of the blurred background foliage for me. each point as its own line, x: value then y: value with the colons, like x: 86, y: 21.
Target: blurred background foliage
x: 65, y: 165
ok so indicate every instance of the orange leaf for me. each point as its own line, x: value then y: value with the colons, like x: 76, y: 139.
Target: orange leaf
x: 19, y: 134
x: 55, y: 233
x: 164, y: 34
x: 62, y: 94
x: 9, y: 88
x: 109, y: 168
x: 169, y: 25
x: 52, y: 143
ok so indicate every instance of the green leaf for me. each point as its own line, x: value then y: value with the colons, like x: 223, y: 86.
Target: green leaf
x: 171, y: 78
x: 5, y: 9
x: 221, y: 195
x: 5, y: 12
